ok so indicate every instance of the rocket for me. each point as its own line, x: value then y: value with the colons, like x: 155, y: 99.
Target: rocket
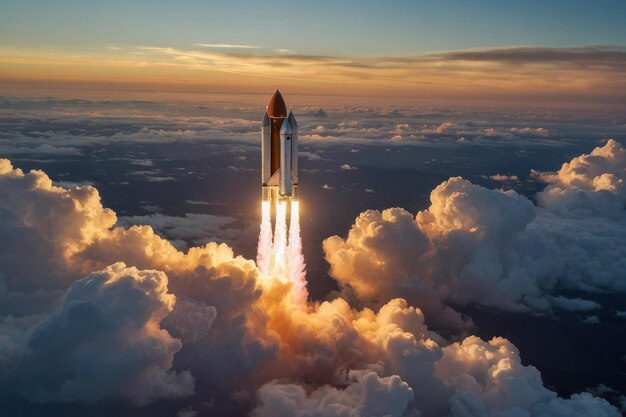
x: 279, y: 149
x: 279, y: 253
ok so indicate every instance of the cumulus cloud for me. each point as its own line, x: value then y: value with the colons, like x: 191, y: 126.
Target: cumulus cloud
x: 589, y: 184
x: 441, y: 128
x: 495, y: 248
x: 466, y: 404
x: 504, y: 178
x: 170, y: 318
x: 191, y: 320
x: 311, y: 156
x: 531, y: 131
x: 104, y: 341
x: 386, y: 354
x: 367, y: 395
x: 490, y: 380
x: 47, y: 219
x: 192, y: 226
x: 76, y: 235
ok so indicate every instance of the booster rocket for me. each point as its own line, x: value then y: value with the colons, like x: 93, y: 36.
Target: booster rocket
x: 279, y: 150
x: 279, y: 253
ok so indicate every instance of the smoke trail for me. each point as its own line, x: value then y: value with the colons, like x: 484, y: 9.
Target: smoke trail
x: 280, y: 241
x: 282, y: 259
x: 264, y: 250
x: 295, y: 260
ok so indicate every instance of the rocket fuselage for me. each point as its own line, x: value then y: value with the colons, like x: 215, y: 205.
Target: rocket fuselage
x: 279, y: 148
x: 276, y: 123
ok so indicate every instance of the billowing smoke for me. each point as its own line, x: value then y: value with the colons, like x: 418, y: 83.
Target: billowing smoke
x: 207, y: 326
x: 496, y: 248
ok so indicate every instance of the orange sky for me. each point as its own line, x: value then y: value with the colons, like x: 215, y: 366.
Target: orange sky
x: 592, y: 76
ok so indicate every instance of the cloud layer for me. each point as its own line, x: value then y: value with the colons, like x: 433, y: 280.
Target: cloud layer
x: 105, y: 341
x: 155, y: 322
x: 496, y: 248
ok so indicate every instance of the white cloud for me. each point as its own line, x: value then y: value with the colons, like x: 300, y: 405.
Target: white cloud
x: 78, y: 235
x: 191, y: 226
x: 233, y: 332
x: 105, y: 341
x: 160, y: 179
x: 494, y: 248
x: 530, y: 131
x: 311, y: 156
x: 347, y: 167
x: 393, y: 348
x: 589, y: 184
x: 367, y: 395
x: 504, y: 178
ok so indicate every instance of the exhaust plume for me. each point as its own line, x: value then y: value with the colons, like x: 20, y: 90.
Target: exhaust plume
x: 263, y: 258
x: 295, y: 259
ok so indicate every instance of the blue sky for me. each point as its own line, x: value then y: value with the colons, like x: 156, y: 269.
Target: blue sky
x: 355, y: 28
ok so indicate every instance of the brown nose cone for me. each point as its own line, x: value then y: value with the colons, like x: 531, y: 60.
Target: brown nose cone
x: 276, y: 106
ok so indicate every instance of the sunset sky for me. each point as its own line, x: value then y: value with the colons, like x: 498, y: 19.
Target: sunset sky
x: 313, y: 208
x: 528, y: 52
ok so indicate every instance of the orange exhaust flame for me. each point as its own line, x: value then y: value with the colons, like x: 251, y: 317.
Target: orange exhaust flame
x: 281, y: 258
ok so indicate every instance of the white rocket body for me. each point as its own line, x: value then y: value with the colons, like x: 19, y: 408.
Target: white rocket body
x: 279, y: 149
x: 266, y: 149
